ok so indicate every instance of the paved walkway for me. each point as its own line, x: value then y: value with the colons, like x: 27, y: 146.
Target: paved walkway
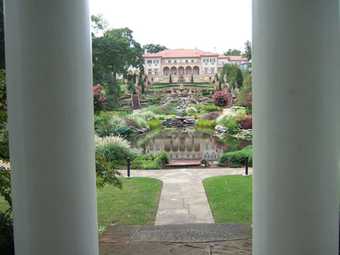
x: 183, y: 199
x: 196, y: 239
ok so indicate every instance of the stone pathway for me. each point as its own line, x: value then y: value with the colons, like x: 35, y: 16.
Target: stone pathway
x: 196, y: 239
x: 183, y: 199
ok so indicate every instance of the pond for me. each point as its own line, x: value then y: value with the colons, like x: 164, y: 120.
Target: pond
x: 187, y: 144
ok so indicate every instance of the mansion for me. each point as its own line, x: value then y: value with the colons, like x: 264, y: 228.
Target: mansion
x: 186, y: 65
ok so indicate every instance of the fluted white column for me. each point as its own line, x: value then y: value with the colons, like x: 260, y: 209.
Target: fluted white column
x: 296, y: 85
x: 48, y: 48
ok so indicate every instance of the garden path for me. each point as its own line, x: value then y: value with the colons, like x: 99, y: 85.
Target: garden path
x: 183, y: 199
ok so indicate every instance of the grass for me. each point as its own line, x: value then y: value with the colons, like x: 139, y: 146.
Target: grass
x: 230, y: 198
x: 206, y: 124
x: 135, y: 204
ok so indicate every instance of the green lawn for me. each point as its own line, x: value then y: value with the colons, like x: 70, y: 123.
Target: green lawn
x: 230, y: 198
x: 136, y: 203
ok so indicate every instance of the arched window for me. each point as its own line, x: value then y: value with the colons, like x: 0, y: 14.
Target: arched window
x: 173, y: 70
x: 166, y: 71
x: 196, y: 70
x: 188, y: 70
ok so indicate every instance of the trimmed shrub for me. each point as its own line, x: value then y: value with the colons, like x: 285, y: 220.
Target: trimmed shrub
x: 107, y: 124
x: 206, y: 108
x: 237, y: 158
x: 150, y: 161
x: 206, y: 124
x: 154, y: 124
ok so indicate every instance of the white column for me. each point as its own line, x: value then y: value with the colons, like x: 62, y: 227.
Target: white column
x: 48, y: 48
x: 295, y: 91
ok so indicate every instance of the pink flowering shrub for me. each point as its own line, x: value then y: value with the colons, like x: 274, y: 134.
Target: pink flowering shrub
x: 222, y: 97
x: 246, y: 122
x: 98, y: 97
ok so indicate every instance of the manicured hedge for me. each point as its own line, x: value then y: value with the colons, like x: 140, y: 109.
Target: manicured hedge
x: 237, y: 158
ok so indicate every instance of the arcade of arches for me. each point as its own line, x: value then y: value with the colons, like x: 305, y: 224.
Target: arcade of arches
x: 181, y: 71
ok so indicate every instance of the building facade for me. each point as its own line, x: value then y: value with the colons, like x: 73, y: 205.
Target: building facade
x: 185, y: 65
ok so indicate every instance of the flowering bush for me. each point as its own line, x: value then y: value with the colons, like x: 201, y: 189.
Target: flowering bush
x: 247, y: 122
x: 222, y: 97
x: 98, y: 97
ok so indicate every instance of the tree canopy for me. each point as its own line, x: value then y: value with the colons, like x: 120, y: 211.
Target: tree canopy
x: 2, y: 36
x: 116, y: 51
x: 232, y: 52
x: 98, y: 24
x: 154, y: 48
x: 233, y: 74
x: 248, y: 50
x: 245, y: 96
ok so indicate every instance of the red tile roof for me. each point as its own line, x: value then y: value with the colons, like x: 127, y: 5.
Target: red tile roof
x: 180, y: 53
x: 233, y: 58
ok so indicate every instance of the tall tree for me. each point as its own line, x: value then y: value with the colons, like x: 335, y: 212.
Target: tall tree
x: 248, y: 50
x: 2, y: 36
x: 154, y: 48
x: 232, y: 52
x: 113, y: 53
x: 245, y: 96
x: 233, y: 74
x: 98, y: 24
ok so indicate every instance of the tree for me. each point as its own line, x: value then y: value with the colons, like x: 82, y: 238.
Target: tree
x: 141, y: 83
x: 248, y: 50
x: 98, y: 25
x: 232, y: 52
x: 233, y: 74
x: 245, y: 96
x: 2, y: 37
x: 113, y: 53
x: 154, y: 48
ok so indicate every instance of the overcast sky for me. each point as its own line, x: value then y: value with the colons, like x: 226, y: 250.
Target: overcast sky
x: 212, y: 25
